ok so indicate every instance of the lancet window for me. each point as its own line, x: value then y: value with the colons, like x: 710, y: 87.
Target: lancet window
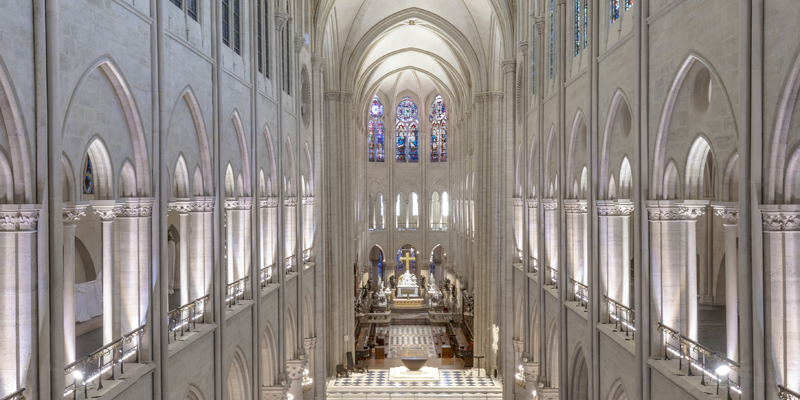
x: 614, y: 10
x: 407, y: 131
x: 438, y: 120
x: 553, y: 36
x: 375, y: 131
x: 88, y: 177
x: 412, y: 264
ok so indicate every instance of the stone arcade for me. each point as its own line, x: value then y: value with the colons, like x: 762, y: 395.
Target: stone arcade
x: 284, y: 199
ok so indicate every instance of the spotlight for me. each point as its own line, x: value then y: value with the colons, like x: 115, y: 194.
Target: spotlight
x: 77, y: 374
x: 723, y: 370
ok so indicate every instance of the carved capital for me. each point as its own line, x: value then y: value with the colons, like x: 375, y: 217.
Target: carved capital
x: 614, y: 209
x: 203, y: 204
x: 106, y: 213
x: 281, y: 18
x: 274, y: 392
x: 182, y: 207
x: 729, y: 215
x: 310, y: 343
x: 269, y: 202
x: 308, y: 201
x: 575, y: 207
x: 533, y: 203
x: 518, y: 346
x: 19, y: 220
x: 550, y: 204
x: 497, y: 96
x: 294, y: 369
x: 517, y: 201
x: 135, y: 209
x: 523, y: 48
x: 531, y: 371
x: 242, y: 203
x: 780, y: 221
x: 290, y: 201
x: 508, y: 66
x: 318, y: 64
x: 299, y: 42
x: 674, y: 212
x: 539, y: 23
x: 71, y: 214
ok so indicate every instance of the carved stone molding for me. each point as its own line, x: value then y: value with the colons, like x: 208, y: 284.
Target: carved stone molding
x: 531, y: 371
x: 269, y: 202
x: 281, y: 18
x: 550, y: 204
x: 318, y: 64
x: 308, y: 201
x: 274, y: 392
x: 20, y: 221
x: 299, y: 42
x: 294, y: 369
x: 203, y: 204
x: 780, y: 221
x: 523, y: 48
x: 539, y: 23
x: 136, y: 209
x: 518, y: 346
x: 337, y: 96
x: 106, y: 214
x: 310, y: 343
x: 575, y: 207
x: 242, y: 203
x: 182, y: 207
x: 517, y: 201
x: 533, y: 203
x: 508, y: 66
x: 614, y: 209
x: 497, y: 96
x: 290, y: 201
x: 729, y: 215
x: 675, y: 212
x: 69, y: 216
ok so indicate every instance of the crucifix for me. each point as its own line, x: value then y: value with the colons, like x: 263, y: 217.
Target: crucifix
x: 406, y: 259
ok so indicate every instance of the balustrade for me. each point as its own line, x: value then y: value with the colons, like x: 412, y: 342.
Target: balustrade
x: 18, y: 395
x: 92, y: 367
x: 553, y: 276
x: 266, y: 276
x: 185, y: 317
x: 235, y: 291
x: 785, y: 393
x: 702, y: 362
x: 580, y: 293
x: 624, y: 317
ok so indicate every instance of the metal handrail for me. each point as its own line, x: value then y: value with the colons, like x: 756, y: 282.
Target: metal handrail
x: 787, y: 394
x: 101, y: 361
x: 266, y: 276
x: 307, y: 254
x: 235, y: 291
x: 18, y: 395
x: 580, y: 293
x: 624, y: 317
x: 185, y: 317
x: 288, y: 264
x: 553, y: 276
x: 534, y: 264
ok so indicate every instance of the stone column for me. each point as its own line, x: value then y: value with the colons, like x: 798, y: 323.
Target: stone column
x: 518, y: 224
x: 533, y: 237
x: 294, y: 370
x: 132, y: 271
x: 531, y: 369
x: 194, y: 239
x: 308, y: 222
x: 550, y: 236
x: 310, y: 345
x: 183, y: 206
x: 290, y: 227
x: 205, y: 206
x: 673, y: 246
x: 781, y: 227
x: 238, y: 237
x: 107, y: 213
x: 576, y: 236
x: 71, y: 213
x: 615, y: 252
x: 730, y: 216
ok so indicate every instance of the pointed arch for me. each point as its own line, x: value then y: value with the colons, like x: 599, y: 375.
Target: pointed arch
x: 269, y: 359
x: 197, y: 182
x: 271, y: 168
x: 240, y: 185
x: 243, y: 153
x: 671, y: 189
x: 19, y: 181
x: 579, y: 375
x: 135, y: 127
x: 229, y: 182
x: 700, y: 170
x: 625, y: 179
x: 309, y: 171
x: 780, y: 138
x: 291, y: 190
x: 7, y: 179
x: 193, y: 393
x: 308, y: 316
x: 202, y: 139
x: 612, y: 188
x: 103, y: 170
x: 575, y: 143
x: 238, y: 382
x: 617, y: 391
x: 127, y: 180
x: 180, y: 180
x: 290, y: 342
x: 618, y: 113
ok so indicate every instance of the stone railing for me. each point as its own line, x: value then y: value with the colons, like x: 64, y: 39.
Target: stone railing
x: 439, y: 317
x: 378, y: 318
x: 624, y: 317
x: 184, y: 318
x: 82, y: 373
x: 708, y: 363
x: 580, y: 293
x: 553, y: 273
x: 235, y: 291
x: 266, y: 276
x: 785, y: 393
x: 18, y: 395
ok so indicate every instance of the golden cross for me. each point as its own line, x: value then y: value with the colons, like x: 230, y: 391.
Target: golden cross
x: 406, y: 259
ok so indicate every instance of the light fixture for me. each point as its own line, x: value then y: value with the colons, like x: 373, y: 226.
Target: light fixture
x: 520, y: 377
x: 723, y: 370
x: 307, y: 381
x: 77, y: 374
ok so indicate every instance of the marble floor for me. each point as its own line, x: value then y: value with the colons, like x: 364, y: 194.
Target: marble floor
x: 451, y: 385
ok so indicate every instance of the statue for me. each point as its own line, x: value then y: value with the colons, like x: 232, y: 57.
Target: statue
x: 436, y: 294
x: 407, y: 279
x: 392, y: 284
x: 422, y: 282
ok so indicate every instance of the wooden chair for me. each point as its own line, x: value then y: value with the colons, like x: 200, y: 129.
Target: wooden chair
x: 351, y: 366
x: 361, y: 366
x: 341, y: 372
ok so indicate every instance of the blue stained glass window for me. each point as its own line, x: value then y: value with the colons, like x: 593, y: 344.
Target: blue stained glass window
x: 552, y: 36
x: 585, y: 23
x: 433, y: 270
x: 614, y: 10
x: 407, y: 131
x: 380, y: 266
x: 88, y: 177
x: 577, y: 27
x: 628, y: 4
x: 411, y: 263
x: 533, y: 65
x: 375, y: 131
x: 438, y: 119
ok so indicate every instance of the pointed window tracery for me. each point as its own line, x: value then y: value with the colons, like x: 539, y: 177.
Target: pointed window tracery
x: 88, y: 177
x: 553, y: 36
x: 407, y: 131
x: 375, y: 130
x: 438, y: 119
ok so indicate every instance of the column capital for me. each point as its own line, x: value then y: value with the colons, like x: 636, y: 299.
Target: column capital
x: 274, y: 392
x: 531, y: 371
x: 203, y: 204
x: 318, y: 64
x: 575, y: 206
x: 728, y: 212
x: 519, y: 345
x: 533, y: 203
x: 182, y: 206
x: 299, y: 42
x: 136, y: 208
x: 612, y: 208
x: 517, y: 201
x: 508, y: 66
x: 310, y: 343
x: 780, y: 218
x: 308, y: 201
x: 269, y: 202
x: 19, y: 218
x: 240, y: 203
x: 290, y: 201
x: 281, y: 18
x: 523, y: 48
x: 294, y: 369
x: 338, y: 96
x: 550, y: 204
x: 539, y: 23
x: 71, y: 213
x: 666, y: 210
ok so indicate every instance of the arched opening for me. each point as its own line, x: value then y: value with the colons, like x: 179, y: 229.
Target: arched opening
x: 700, y: 171
x: 180, y: 179
x: 401, y: 211
x: 617, y: 391
x: 229, y: 182
x: 238, y: 383
x: 580, y: 376
x: 438, y: 260
x: 625, y: 180
x: 377, y: 262
x: 98, y: 172
x: 436, y: 212
x: 269, y: 362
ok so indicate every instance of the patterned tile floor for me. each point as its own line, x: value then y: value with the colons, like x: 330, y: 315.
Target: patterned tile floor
x: 449, y: 379
x: 412, y: 341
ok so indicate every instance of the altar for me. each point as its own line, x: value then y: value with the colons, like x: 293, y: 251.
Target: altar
x: 407, y: 284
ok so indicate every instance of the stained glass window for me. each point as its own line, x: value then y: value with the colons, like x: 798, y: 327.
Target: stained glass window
x: 191, y: 8
x: 88, y: 177
x: 614, y: 10
x: 237, y: 22
x: 628, y: 4
x: 226, y: 34
x: 577, y: 27
x: 438, y: 119
x: 259, y: 32
x: 407, y: 131
x: 401, y: 265
x: 375, y: 130
x: 585, y: 23
x: 552, y: 36
x: 533, y: 65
